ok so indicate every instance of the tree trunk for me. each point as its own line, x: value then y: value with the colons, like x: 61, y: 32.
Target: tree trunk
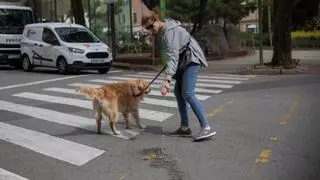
x: 197, y: 26
x: 77, y: 11
x: 282, y: 23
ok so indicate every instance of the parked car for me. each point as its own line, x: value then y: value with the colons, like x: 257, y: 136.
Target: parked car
x: 13, y: 19
x: 68, y: 47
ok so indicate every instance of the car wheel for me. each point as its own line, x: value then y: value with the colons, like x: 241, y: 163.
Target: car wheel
x: 104, y: 70
x: 76, y: 71
x: 62, y: 66
x: 26, y: 64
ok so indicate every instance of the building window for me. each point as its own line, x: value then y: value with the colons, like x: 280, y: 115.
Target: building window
x: 135, y: 19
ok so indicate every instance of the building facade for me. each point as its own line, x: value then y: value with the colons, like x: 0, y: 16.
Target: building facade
x: 250, y: 23
x: 96, y: 13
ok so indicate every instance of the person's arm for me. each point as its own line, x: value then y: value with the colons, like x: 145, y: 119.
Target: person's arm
x: 172, y: 47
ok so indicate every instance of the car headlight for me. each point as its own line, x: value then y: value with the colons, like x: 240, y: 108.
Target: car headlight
x: 108, y: 49
x: 76, y: 50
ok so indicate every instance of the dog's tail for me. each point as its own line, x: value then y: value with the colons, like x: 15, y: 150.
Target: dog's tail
x: 91, y: 93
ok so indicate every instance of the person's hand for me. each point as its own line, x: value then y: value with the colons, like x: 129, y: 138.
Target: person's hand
x: 165, y: 88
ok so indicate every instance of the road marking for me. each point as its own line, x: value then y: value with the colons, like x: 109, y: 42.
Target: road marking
x: 289, y: 114
x: 63, y: 118
x: 85, y: 85
x: 62, y: 90
x: 64, y: 150
x: 153, y: 93
x: 204, y: 78
x: 223, y: 86
x: 54, y: 99
x: 199, y: 80
x: 264, y: 156
x: 39, y: 82
x: 7, y: 175
x: 114, y: 71
x: 156, y: 86
x: 86, y: 104
x: 200, y: 76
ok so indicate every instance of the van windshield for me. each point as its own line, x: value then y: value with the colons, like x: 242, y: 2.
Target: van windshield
x: 76, y: 35
x: 12, y: 21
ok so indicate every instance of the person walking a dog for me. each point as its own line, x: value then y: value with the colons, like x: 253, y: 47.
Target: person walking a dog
x: 185, y: 60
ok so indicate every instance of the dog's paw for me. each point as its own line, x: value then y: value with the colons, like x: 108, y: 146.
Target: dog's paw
x: 116, y: 133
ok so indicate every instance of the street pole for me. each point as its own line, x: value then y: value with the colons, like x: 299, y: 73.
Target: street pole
x: 269, y: 22
x: 131, y: 28
x: 162, y: 16
x: 260, y: 8
x: 113, y: 32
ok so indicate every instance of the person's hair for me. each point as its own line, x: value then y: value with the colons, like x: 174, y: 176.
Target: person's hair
x: 150, y: 17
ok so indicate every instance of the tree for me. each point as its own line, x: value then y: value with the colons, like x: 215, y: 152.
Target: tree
x: 282, y: 26
x: 77, y: 11
x: 204, y: 11
x: 304, y: 12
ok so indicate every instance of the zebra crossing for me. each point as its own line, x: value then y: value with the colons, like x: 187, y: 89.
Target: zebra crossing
x: 7, y: 175
x: 154, y: 108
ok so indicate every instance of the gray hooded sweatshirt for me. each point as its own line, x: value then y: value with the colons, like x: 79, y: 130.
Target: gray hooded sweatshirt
x: 175, y: 39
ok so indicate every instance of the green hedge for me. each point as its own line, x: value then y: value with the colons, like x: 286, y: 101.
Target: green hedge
x: 134, y: 47
x: 299, y: 39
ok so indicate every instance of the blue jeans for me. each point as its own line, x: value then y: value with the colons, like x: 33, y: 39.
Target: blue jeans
x: 184, y: 91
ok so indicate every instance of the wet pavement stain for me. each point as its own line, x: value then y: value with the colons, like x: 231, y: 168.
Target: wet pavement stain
x: 160, y: 159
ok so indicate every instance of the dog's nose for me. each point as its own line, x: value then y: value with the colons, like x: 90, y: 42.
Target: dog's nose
x: 147, y: 91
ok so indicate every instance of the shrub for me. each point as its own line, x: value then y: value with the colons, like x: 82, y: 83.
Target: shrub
x: 305, y: 39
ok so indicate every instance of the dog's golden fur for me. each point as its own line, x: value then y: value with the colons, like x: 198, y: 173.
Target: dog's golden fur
x: 110, y: 99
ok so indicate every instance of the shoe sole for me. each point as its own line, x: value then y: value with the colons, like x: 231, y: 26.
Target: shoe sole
x: 205, y: 137
x: 181, y: 135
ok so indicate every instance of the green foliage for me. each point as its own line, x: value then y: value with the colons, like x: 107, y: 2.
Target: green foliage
x: 305, y: 39
x: 300, y: 39
x: 99, y: 22
x: 183, y: 10
x: 136, y: 47
x: 253, y: 39
x: 230, y: 11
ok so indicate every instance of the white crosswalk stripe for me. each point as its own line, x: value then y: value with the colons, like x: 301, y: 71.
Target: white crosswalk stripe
x: 7, y: 175
x: 156, y: 86
x: 154, y: 93
x: 212, y: 85
x: 199, y: 80
x: 146, y: 114
x: 72, y: 152
x: 59, y: 117
x: 154, y: 108
x: 204, y: 76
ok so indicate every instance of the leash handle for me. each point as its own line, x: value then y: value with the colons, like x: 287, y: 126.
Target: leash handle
x: 152, y: 81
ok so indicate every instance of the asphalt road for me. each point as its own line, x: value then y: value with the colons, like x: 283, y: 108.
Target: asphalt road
x: 266, y: 129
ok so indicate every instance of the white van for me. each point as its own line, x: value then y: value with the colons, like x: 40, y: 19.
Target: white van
x: 13, y: 19
x: 68, y: 47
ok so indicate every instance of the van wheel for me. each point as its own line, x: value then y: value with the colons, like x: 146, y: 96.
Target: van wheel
x: 104, y: 70
x: 62, y: 66
x: 26, y: 64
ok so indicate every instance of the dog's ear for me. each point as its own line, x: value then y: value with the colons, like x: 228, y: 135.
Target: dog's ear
x: 138, y: 86
x: 134, y: 88
x: 141, y: 84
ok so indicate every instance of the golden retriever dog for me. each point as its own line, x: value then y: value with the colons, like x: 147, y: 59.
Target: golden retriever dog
x: 111, y: 99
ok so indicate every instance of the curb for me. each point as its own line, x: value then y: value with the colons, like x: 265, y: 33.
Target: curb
x: 264, y: 70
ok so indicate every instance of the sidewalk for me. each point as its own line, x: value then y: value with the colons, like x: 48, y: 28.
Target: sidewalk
x: 309, y: 63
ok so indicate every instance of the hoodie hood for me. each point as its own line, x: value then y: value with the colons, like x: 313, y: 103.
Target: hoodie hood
x: 171, y: 24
